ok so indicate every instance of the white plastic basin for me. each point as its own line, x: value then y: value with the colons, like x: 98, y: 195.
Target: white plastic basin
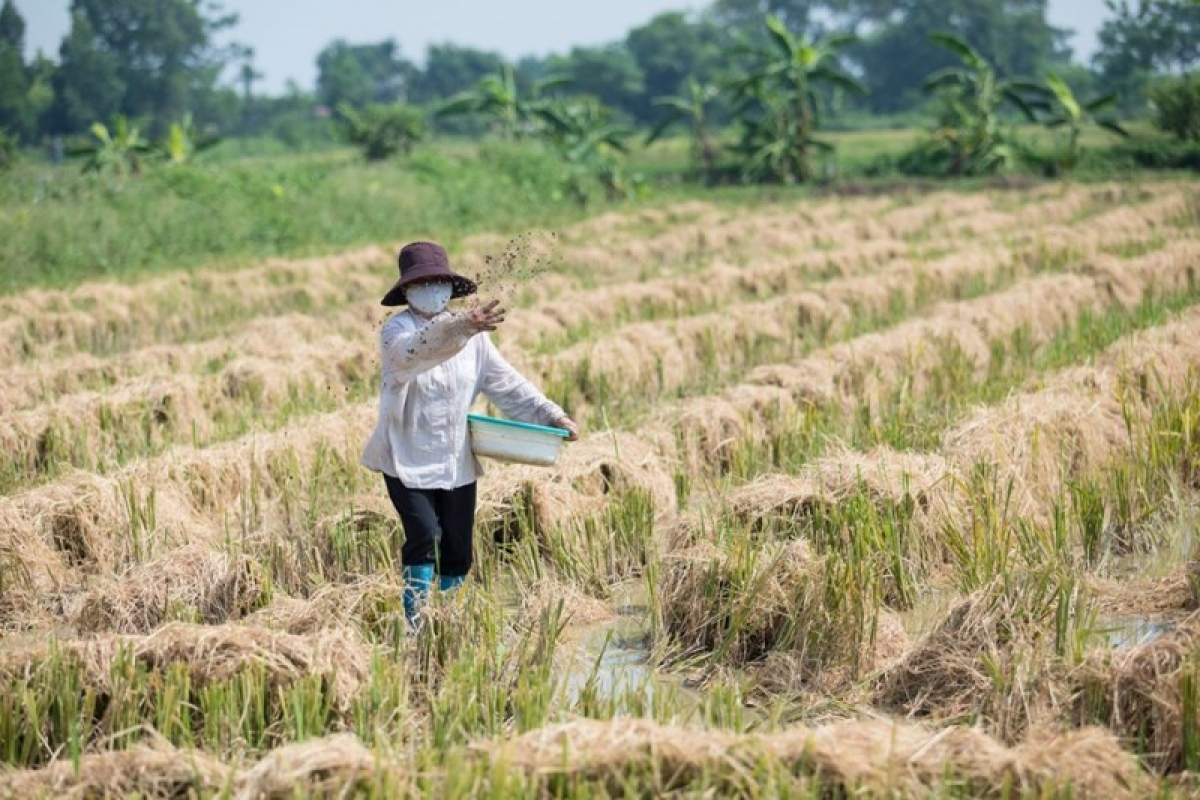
x: 521, y: 442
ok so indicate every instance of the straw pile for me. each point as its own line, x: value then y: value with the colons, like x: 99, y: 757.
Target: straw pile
x: 790, y: 673
x: 107, y: 317
x: 911, y: 482
x: 154, y: 771
x: 1146, y: 694
x: 741, y: 604
x: 92, y: 427
x: 330, y: 339
x: 548, y: 594
x: 367, y: 604
x: 874, y: 757
x: 29, y: 569
x: 710, y: 429
x: 95, y: 522
x: 193, y: 582
x: 589, y: 473
x: 330, y: 766
x: 210, y: 655
x: 997, y: 635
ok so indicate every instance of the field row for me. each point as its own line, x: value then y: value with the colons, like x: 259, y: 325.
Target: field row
x: 142, y: 417
x: 106, y: 318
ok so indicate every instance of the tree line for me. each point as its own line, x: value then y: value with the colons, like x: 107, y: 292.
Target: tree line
x: 158, y: 62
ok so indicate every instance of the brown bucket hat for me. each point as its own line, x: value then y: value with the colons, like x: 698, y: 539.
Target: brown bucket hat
x: 425, y: 261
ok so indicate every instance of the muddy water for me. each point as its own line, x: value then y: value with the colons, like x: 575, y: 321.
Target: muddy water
x: 611, y: 662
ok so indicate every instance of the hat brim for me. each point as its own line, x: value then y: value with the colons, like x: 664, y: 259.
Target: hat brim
x: 461, y: 287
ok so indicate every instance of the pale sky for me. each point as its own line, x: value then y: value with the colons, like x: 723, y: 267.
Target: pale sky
x: 287, y: 34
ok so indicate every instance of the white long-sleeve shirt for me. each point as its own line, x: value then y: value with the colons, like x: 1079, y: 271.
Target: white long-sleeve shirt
x: 432, y: 372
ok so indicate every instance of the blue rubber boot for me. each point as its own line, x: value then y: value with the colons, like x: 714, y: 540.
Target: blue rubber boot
x: 417, y: 582
x: 448, y: 583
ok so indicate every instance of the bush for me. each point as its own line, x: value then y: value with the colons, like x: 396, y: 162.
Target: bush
x: 1177, y: 106
x: 1156, y: 153
x: 9, y: 148
x: 383, y: 131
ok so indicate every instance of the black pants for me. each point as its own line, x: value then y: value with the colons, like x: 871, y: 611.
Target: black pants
x: 438, y: 526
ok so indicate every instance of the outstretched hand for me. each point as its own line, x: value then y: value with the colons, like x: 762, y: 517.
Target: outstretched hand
x: 568, y: 425
x: 485, y: 318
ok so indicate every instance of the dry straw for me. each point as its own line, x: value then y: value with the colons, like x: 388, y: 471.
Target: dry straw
x: 193, y: 582
x: 111, y: 316
x: 211, y: 654
x: 550, y: 595
x: 711, y: 429
x: 589, y: 473
x: 1146, y: 694
x: 330, y: 338
x: 744, y: 602
x: 331, y: 766
x: 154, y: 771
x: 994, y: 638
x: 877, y: 757
x: 367, y: 604
x: 886, y: 478
x: 791, y: 674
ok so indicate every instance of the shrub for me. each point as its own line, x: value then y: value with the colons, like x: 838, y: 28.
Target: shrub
x: 1157, y: 153
x: 8, y: 148
x: 1176, y: 103
x: 383, y: 131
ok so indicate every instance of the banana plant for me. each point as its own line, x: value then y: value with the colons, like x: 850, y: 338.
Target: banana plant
x: 778, y: 104
x: 691, y: 107
x: 498, y: 97
x: 1054, y: 99
x: 970, y: 126
x: 182, y: 143
x: 585, y: 134
x: 118, y: 150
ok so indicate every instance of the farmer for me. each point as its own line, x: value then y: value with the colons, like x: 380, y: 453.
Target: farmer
x: 434, y: 363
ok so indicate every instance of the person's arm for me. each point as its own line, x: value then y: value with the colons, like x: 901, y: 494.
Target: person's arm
x: 516, y: 397
x: 408, y: 353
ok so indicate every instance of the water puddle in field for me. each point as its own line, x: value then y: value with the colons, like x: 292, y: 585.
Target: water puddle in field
x: 610, y: 660
x: 610, y: 663
x: 1123, y: 634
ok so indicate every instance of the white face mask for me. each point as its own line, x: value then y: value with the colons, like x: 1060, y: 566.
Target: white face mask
x: 430, y: 298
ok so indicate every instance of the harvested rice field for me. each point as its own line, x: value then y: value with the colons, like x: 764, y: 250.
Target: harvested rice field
x: 889, y: 496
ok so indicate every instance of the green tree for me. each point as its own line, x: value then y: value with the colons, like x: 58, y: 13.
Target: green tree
x: 779, y: 103
x: 164, y: 51
x: 1138, y: 41
x: 671, y: 50
x: 1176, y: 102
x: 450, y: 69
x: 691, y: 107
x: 15, y: 112
x: 362, y: 74
x: 610, y: 74
x: 1014, y: 36
x: 87, y: 84
x: 970, y: 128
x: 500, y: 98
